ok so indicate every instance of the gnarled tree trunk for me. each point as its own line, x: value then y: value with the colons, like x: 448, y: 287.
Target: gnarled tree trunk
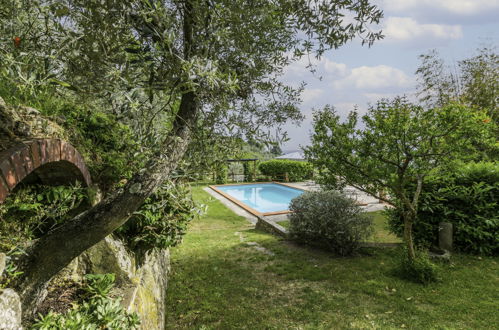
x: 59, y: 247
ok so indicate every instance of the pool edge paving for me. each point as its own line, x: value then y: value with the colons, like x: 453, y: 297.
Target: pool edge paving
x: 246, y: 207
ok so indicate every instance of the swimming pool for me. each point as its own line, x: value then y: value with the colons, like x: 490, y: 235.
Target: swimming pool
x: 260, y: 198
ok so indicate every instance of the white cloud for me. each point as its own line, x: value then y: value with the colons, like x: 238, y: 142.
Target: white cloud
x: 408, y: 29
x: 375, y: 78
x: 302, y: 67
x: 460, y: 7
x: 311, y: 95
x: 336, y: 69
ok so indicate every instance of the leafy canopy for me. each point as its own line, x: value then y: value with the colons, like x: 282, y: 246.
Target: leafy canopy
x: 396, y: 142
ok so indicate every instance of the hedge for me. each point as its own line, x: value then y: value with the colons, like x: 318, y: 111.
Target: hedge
x: 468, y: 198
x: 278, y: 168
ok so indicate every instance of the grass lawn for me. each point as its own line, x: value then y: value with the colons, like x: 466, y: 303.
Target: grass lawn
x: 221, y: 280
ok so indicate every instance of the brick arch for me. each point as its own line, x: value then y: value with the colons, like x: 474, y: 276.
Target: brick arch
x: 52, y: 161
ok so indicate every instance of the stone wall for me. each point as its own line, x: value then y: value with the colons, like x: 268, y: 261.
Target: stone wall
x: 142, y: 287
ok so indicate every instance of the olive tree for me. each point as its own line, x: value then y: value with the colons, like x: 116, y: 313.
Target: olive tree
x: 398, y: 145
x: 214, y: 61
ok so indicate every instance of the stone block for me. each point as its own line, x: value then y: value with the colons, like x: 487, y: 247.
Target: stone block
x: 10, y: 310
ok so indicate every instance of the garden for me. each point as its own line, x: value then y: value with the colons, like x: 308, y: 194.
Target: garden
x: 116, y: 117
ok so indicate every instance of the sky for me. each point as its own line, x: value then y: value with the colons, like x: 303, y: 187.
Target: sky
x: 356, y: 75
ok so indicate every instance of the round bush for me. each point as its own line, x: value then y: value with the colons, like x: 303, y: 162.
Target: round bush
x: 330, y: 220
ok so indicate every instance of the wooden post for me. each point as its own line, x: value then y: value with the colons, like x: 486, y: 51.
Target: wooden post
x: 254, y: 170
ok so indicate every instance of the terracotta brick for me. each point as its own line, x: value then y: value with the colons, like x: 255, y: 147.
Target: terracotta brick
x: 18, y: 164
x: 4, y: 190
x: 54, y: 150
x: 44, y: 152
x: 8, y: 173
x: 35, y: 153
x: 68, y: 152
x: 26, y: 158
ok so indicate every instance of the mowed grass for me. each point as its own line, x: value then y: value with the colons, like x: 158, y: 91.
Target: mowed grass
x: 220, y: 280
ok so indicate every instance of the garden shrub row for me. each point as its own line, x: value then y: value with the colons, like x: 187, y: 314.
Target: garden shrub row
x: 468, y: 198
x: 278, y: 168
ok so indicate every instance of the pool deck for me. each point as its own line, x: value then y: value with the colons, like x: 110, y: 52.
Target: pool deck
x: 367, y: 202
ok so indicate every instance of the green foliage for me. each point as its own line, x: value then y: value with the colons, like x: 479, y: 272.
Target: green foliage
x: 401, y: 143
x: 278, y: 168
x: 330, y: 220
x: 249, y: 171
x: 419, y: 269
x: 466, y: 196
x: 475, y: 83
x: 221, y: 173
x: 110, y: 146
x: 35, y: 209
x: 99, y: 285
x: 11, y: 271
x: 161, y: 221
x: 97, y: 312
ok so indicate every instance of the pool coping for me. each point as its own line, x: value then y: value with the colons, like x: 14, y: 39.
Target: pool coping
x: 244, y: 206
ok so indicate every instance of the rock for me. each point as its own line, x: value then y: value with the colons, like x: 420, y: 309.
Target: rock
x: 2, y: 102
x: 3, y: 260
x: 141, y: 287
x: 10, y: 310
x: 445, y: 236
x: 150, y: 298
x: 440, y: 255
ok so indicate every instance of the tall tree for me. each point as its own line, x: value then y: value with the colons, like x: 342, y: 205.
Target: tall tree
x: 204, y: 59
x: 399, y: 146
x: 473, y: 81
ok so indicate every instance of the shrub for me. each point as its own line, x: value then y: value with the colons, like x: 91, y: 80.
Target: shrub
x: 420, y: 270
x: 33, y: 210
x: 466, y: 197
x: 221, y: 173
x: 277, y: 168
x: 329, y: 219
x: 109, y: 147
x: 97, y: 312
x: 161, y: 221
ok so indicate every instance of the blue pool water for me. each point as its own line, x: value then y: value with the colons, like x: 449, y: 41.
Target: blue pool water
x: 262, y: 197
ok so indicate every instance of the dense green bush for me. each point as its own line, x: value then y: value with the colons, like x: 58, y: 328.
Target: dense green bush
x: 420, y: 270
x: 109, y: 147
x: 161, y: 221
x: 221, y: 173
x: 278, y: 168
x: 97, y: 311
x: 467, y: 197
x: 111, y: 150
x: 329, y: 219
x: 33, y: 210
